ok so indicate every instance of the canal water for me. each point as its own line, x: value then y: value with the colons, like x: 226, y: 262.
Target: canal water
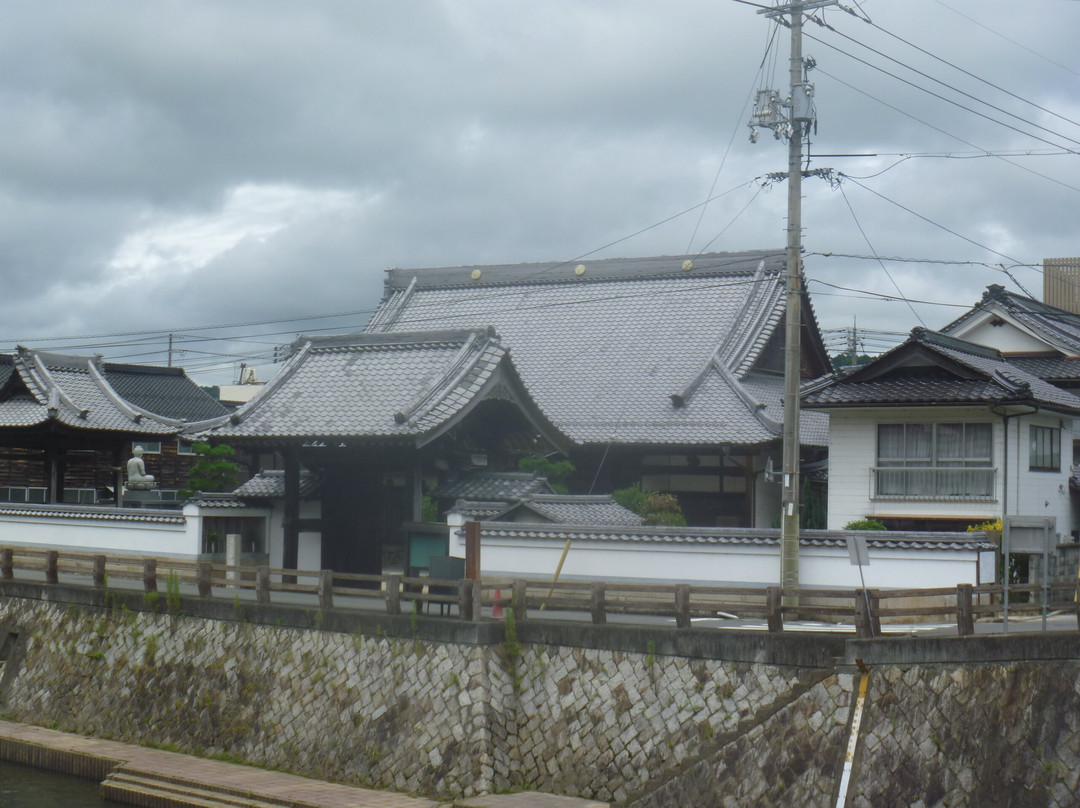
x: 26, y: 787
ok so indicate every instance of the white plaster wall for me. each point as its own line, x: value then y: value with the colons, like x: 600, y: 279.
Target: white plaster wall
x: 1006, y: 338
x: 309, y: 549
x: 101, y: 535
x: 750, y: 565
x: 1040, y: 493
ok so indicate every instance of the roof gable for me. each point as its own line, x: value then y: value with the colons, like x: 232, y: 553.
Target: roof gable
x: 931, y: 368
x: 1012, y: 322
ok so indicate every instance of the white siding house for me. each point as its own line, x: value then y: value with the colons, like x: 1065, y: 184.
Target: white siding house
x: 941, y: 434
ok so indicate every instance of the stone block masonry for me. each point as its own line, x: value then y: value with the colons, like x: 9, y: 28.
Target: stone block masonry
x: 638, y: 717
x: 398, y: 711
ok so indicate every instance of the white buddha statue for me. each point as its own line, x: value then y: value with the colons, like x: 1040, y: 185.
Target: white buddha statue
x: 138, y: 479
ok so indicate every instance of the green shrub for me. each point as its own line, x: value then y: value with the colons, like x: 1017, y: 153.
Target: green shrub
x: 865, y: 524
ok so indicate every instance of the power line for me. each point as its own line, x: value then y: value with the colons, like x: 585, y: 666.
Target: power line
x: 942, y: 131
x: 962, y: 70
x: 885, y: 269
x: 947, y: 230
x: 951, y: 101
x: 1007, y: 39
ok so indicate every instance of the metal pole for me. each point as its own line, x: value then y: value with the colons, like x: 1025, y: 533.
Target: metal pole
x: 789, y: 519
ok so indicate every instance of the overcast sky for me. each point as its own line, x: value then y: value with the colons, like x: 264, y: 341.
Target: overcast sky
x: 172, y: 165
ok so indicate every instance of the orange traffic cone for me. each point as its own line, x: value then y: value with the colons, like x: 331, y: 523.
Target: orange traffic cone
x: 497, y: 609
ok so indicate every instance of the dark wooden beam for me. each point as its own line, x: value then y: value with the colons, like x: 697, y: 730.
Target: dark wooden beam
x: 291, y: 522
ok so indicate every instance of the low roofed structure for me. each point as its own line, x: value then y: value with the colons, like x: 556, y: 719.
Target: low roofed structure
x: 55, y: 405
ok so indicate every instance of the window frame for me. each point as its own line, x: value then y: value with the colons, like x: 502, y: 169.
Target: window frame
x: 934, y: 460
x: 145, y: 446
x: 1040, y: 439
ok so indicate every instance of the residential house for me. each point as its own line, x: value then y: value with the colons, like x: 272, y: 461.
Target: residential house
x: 941, y: 433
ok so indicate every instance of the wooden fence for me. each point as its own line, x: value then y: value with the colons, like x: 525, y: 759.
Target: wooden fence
x: 482, y: 599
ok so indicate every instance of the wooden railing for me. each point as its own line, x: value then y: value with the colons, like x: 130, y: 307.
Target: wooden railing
x: 475, y: 600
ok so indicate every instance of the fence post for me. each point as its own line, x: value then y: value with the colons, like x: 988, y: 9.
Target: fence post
x: 864, y: 624
x: 149, y: 574
x: 7, y: 563
x: 521, y: 609
x: 965, y: 621
x: 99, y: 571
x: 52, y: 557
x: 262, y: 585
x: 326, y: 589
x: 682, y: 605
x: 875, y: 613
x: 599, y: 609
x: 464, y: 594
x: 203, y: 574
x: 774, y: 603
x: 393, y: 594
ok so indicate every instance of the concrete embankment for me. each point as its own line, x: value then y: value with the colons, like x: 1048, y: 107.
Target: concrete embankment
x: 632, y: 716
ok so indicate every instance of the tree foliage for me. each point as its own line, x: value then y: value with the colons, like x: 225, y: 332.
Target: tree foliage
x: 653, y: 507
x: 557, y: 472
x: 213, y: 471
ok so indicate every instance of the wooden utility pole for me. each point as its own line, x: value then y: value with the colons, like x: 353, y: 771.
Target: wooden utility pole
x: 791, y: 120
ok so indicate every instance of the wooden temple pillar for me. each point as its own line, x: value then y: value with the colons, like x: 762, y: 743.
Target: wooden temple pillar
x: 54, y: 473
x: 291, y: 522
x: 118, y: 472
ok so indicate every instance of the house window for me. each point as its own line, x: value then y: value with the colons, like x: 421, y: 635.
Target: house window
x: 934, y: 461
x: 1045, y: 448
x: 148, y: 446
x: 184, y: 447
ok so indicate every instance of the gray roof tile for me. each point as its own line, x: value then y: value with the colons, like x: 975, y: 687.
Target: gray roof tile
x: 571, y: 509
x: 494, y: 486
x: 604, y: 352
x: 1058, y: 327
x: 988, y: 378
x: 74, y: 391
x: 645, y: 534
x: 270, y: 484
x: 401, y: 386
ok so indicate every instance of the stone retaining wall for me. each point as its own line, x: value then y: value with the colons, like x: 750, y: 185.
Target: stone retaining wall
x: 990, y: 736
x: 653, y: 718
x: 415, y: 715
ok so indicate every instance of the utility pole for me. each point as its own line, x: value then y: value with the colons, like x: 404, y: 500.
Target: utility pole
x: 791, y: 120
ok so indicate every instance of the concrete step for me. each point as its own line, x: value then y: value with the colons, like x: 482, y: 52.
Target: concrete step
x: 150, y: 790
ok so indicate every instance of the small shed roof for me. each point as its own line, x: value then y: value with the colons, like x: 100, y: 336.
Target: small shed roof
x: 573, y: 509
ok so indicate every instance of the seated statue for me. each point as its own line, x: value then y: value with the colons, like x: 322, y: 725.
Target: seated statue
x: 138, y: 479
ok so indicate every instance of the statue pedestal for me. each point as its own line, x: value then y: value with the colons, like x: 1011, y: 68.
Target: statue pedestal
x: 141, y: 498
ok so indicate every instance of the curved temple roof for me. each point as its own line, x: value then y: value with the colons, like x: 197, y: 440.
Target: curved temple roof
x: 648, y: 351
x: 75, y: 391
x: 407, y: 387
